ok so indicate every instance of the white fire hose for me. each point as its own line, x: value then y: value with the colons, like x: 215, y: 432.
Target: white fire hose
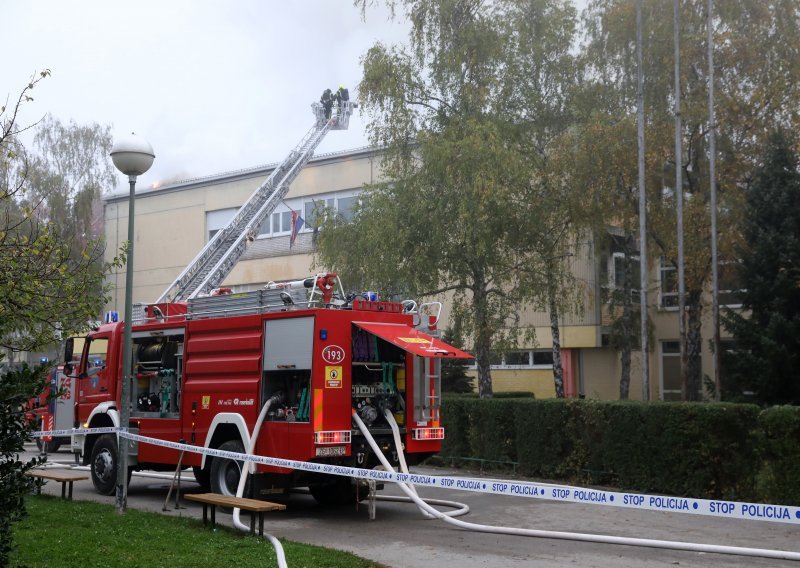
x: 429, y: 511
x: 461, y: 508
x: 628, y: 541
x: 243, y: 479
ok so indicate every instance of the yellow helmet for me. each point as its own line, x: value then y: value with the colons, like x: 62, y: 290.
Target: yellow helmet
x: 341, y: 86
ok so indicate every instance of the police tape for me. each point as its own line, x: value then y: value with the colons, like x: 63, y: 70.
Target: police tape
x: 524, y: 489
x: 71, y: 431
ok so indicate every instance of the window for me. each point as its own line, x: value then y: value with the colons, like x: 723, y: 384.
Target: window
x: 218, y: 220
x: 342, y: 203
x: 312, y: 211
x: 670, y: 370
x: 619, y: 271
x: 616, y: 274
x: 527, y: 359
x: 518, y: 358
x: 282, y: 222
x: 266, y: 226
x: 279, y: 223
x: 730, y: 289
x: 668, y: 285
x: 346, y: 207
x: 614, y: 264
x: 98, y: 349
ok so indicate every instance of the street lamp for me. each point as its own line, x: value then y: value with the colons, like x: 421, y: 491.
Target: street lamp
x: 133, y: 156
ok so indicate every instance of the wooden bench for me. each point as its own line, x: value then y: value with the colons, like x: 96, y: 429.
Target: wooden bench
x: 65, y: 476
x: 252, y: 505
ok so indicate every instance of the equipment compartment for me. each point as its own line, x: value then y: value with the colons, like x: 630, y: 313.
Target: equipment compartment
x: 378, y: 379
x: 158, y: 369
x: 292, y: 388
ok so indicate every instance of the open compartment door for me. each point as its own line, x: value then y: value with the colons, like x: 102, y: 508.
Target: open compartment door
x: 412, y: 340
x: 427, y: 354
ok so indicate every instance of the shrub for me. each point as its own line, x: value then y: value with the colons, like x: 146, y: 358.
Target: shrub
x: 691, y: 449
x: 780, y: 477
x: 17, y: 388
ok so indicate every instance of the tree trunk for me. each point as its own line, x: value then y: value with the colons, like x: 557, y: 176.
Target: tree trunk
x: 626, y: 322
x: 483, y: 339
x: 694, y: 347
x: 558, y: 371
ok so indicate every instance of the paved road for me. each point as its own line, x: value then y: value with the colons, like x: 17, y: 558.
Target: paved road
x: 401, y: 538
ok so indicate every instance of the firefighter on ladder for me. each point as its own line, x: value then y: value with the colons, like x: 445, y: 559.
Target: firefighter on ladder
x: 327, y: 102
x: 342, y: 95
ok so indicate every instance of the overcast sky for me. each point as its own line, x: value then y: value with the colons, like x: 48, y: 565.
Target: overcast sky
x: 214, y: 86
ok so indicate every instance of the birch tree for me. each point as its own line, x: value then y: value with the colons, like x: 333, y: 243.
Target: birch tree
x: 757, y: 57
x: 457, y: 113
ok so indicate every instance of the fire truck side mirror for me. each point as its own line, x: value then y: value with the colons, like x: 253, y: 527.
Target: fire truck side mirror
x: 69, y: 345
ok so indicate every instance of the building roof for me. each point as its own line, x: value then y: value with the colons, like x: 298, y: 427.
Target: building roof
x: 225, y: 177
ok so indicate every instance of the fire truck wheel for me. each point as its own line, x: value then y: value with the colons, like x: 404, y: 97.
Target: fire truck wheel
x: 202, y: 476
x: 103, y: 464
x: 225, y: 473
x: 336, y: 492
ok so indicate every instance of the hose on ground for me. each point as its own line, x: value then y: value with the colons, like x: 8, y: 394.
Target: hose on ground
x: 583, y: 537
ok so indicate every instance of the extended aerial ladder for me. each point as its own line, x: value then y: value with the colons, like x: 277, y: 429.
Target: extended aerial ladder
x: 222, y: 252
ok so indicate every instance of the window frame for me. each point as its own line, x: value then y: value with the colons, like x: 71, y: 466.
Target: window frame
x: 636, y: 280
x: 663, y: 267
x: 728, y: 291
x: 531, y: 365
x: 302, y: 206
x: 213, y: 223
x: 663, y: 353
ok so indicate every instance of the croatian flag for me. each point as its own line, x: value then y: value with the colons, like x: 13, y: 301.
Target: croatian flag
x: 297, y: 224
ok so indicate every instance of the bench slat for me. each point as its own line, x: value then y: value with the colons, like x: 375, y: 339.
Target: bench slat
x: 255, y: 505
x: 65, y: 476
x: 58, y: 474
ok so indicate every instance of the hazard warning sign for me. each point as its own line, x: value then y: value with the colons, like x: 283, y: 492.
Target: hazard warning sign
x: 333, y: 377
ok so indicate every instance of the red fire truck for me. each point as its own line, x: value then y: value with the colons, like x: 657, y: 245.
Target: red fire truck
x: 205, y: 364
x: 55, y: 413
x: 203, y: 369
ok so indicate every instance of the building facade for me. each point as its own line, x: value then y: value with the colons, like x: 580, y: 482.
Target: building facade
x: 174, y: 222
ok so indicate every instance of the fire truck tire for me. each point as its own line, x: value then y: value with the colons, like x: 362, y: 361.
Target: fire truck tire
x: 336, y: 492
x: 225, y: 473
x: 103, y: 464
x: 52, y: 445
x: 203, y: 477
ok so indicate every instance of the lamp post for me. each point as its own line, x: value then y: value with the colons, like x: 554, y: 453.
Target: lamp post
x: 133, y: 156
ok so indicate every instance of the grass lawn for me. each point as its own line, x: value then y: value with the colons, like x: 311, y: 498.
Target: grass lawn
x: 82, y: 534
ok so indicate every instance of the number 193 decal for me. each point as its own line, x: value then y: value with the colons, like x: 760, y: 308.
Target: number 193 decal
x: 333, y: 354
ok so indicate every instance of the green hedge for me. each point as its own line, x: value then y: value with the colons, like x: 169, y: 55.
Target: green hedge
x: 779, y: 479
x: 719, y: 451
